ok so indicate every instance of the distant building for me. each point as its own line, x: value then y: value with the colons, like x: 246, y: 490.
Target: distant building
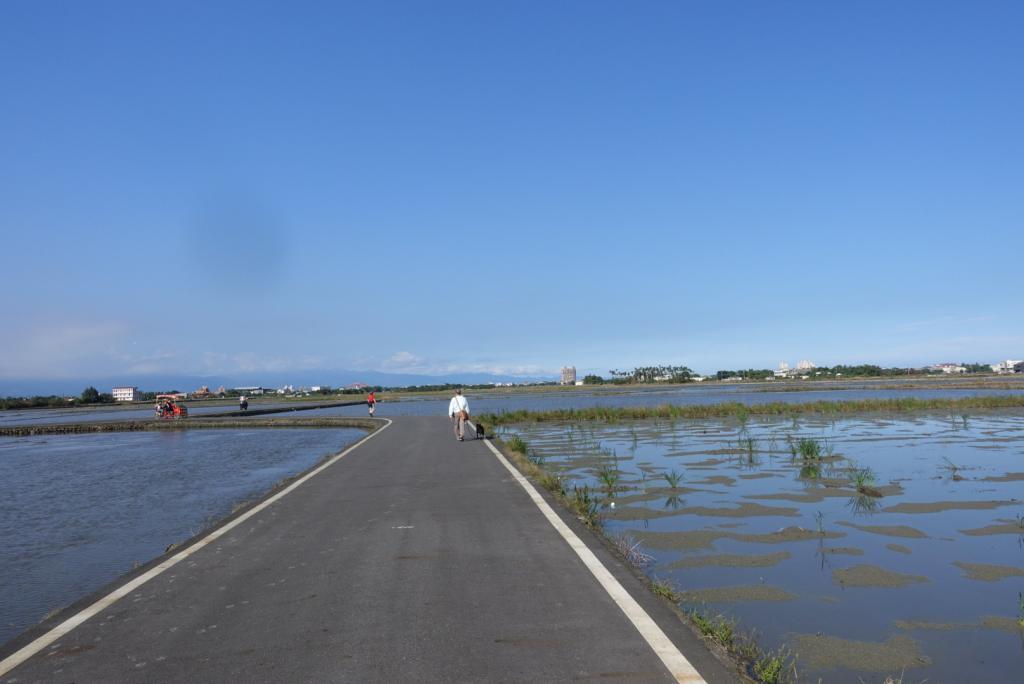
x: 568, y: 375
x: 249, y: 390
x: 579, y: 383
x: 125, y: 393
x: 805, y: 365
x: 948, y: 368
x: 783, y: 371
x: 1008, y: 366
x: 356, y: 386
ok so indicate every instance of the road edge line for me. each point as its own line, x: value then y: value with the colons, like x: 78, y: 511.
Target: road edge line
x: 679, y: 667
x: 25, y: 652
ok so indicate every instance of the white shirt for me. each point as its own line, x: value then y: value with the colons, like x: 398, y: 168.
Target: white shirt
x: 458, y: 403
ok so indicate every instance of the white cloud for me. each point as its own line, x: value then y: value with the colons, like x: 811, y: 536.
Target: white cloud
x: 967, y: 348
x: 402, y: 361
x: 51, y: 349
x: 495, y: 368
x: 407, y: 362
x: 941, y: 322
x: 157, y: 362
x: 252, y: 362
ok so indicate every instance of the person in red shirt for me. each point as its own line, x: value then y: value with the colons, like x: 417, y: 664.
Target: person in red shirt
x: 371, y: 403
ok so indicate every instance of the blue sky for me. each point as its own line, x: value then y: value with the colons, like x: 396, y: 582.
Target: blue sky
x: 509, y: 187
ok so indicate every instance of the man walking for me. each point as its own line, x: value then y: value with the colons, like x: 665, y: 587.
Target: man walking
x: 458, y: 412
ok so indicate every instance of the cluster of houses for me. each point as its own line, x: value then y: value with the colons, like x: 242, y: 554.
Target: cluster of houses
x: 1002, y: 368
x: 130, y: 393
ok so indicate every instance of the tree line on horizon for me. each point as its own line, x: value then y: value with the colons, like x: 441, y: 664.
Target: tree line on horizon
x: 681, y: 374
x: 90, y: 395
x: 643, y: 375
x: 861, y: 371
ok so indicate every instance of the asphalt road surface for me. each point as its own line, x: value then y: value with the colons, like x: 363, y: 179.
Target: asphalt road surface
x: 413, y: 558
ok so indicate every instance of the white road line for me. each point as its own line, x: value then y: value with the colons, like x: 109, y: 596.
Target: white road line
x: 673, y: 659
x: 20, y: 656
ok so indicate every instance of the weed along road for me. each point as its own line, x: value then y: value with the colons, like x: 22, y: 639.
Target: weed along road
x: 412, y: 557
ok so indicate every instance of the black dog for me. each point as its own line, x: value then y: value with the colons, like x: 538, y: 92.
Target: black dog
x: 480, y: 434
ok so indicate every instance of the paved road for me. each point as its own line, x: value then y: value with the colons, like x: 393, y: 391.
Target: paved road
x: 413, y: 558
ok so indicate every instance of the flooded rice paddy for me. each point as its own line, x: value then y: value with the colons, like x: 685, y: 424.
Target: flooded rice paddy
x: 77, y: 511
x: 893, y: 545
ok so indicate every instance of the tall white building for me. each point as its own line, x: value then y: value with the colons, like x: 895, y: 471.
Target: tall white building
x: 805, y: 365
x: 125, y: 393
x: 568, y: 376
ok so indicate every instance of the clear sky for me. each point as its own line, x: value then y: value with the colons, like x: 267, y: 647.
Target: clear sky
x: 220, y: 187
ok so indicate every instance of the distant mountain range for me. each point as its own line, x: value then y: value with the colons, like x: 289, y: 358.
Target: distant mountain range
x: 24, y: 387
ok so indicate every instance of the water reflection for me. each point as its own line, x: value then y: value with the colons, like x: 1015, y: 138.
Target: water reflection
x: 674, y: 501
x: 862, y: 504
x: 122, y: 498
x: 810, y: 471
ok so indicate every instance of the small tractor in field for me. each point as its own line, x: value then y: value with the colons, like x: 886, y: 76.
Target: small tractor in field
x: 168, y: 409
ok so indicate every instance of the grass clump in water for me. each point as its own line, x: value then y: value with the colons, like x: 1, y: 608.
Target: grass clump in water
x: 718, y: 628
x: 767, y: 667
x: 585, y: 505
x: 665, y: 590
x: 517, y: 443
x: 808, y: 449
x: 552, y: 483
x: 673, y: 478
x: 863, y: 480
x: 609, y: 477
x: 776, y: 667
